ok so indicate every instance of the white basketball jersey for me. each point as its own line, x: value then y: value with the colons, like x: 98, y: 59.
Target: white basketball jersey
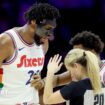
x: 26, y: 61
x: 102, y: 72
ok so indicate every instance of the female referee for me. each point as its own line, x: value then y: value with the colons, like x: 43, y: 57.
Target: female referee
x: 85, y: 88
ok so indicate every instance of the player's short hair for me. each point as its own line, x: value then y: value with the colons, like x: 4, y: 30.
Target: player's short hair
x: 40, y: 11
x: 88, y: 40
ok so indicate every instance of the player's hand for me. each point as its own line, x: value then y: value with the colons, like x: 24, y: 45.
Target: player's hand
x: 54, y: 64
x: 37, y: 82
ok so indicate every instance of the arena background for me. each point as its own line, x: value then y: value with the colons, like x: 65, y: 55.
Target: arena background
x: 76, y: 16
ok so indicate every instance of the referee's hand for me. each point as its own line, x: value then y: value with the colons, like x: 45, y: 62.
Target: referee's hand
x: 37, y: 82
x: 54, y: 64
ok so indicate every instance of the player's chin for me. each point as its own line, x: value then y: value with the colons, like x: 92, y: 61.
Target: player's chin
x: 50, y: 38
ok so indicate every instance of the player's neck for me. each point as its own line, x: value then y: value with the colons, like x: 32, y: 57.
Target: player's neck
x: 25, y: 34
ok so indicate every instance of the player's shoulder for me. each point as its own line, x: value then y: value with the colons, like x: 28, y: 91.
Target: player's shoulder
x: 5, y: 40
x: 6, y: 46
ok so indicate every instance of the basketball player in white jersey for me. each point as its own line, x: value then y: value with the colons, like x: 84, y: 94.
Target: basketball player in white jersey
x: 22, y: 53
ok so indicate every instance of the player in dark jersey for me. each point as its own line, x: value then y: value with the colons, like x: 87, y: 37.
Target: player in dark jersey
x: 84, y: 69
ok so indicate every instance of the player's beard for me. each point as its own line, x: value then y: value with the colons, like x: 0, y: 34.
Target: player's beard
x: 37, y: 39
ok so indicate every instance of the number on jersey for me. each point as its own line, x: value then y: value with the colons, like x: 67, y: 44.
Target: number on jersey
x: 31, y: 73
x: 99, y: 99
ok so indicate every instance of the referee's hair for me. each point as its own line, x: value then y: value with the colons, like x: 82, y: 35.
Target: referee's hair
x: 89, y: 41
x: 89, y: 61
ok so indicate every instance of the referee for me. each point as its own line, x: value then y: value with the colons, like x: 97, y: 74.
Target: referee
x: 85, y: 88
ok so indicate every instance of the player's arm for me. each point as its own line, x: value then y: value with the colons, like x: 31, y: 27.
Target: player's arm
x: 5, y: 48
x: 58, y: 80
x: 62, y: 79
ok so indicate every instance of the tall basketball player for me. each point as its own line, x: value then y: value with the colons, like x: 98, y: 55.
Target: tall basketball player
x: 22, y: 51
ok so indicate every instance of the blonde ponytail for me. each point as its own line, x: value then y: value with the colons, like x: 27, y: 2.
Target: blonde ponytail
x: 90, y: 62
x: 93, y: 71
